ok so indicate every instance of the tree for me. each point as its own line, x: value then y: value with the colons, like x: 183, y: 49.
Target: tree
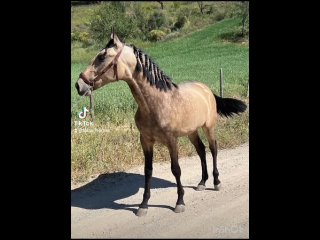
x: 161, y: 3
x: 201, y: 6
x: 110, y: 15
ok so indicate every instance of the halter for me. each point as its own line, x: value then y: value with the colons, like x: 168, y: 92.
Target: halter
x: 113, y: 63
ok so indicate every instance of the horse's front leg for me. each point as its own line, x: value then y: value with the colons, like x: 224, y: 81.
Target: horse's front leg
x: 147, y: 146
x: 176, y: 171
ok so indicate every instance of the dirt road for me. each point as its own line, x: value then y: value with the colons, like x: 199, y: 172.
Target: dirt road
x: 105, y: 207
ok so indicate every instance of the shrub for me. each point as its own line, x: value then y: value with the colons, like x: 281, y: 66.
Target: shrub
x: 219, y: 16
x: 181, y: 21
x: 235, y: 35
x: 82, y: 37
x: 172, y: 35
x: 165, y: 30
x: 156, y: 35
x: 157, y: 20
x: 219, y: 10
x: 186, y: 12
x: 170, y: 22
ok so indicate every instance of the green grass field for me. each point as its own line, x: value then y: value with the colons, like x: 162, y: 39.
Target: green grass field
x: 197, y: 56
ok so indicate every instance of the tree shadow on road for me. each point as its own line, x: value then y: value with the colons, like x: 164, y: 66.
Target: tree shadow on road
x: 104, y: 191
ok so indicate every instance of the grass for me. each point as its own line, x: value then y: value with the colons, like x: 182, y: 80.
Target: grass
x: 197, y: 56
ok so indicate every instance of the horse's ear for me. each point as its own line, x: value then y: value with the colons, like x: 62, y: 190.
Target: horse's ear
x: 112, y: 32
x: 114, y: 36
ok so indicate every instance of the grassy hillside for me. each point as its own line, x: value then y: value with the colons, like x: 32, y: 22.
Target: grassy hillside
x: 175, y: 20
x: 197, y: 56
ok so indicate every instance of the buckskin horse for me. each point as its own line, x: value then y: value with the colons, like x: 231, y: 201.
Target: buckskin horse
x: 165, y: 111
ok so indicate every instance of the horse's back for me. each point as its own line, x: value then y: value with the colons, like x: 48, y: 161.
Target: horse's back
x: 198, y: 92
x: 194, y: 86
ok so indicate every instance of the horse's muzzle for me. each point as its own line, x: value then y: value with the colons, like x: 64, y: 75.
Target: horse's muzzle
x: 83, y: 88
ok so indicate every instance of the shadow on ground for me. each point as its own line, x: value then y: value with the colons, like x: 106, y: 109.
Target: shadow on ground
x: 104, y: 191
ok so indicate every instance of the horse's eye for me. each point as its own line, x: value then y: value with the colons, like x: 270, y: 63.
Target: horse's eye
x: 101, y: 57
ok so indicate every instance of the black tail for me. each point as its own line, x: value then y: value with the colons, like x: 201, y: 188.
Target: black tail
x: 229, y: 106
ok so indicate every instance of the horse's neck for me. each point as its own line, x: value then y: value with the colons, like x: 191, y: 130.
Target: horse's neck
x: 147, y: 97
x: 139, y: 96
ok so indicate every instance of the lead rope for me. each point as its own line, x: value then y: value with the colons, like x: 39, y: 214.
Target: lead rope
x: 91, y: 105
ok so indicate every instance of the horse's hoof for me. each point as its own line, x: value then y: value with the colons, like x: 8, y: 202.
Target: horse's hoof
x: 179, y: 208
x: 200, y: 187
x: 142, y: 212
x: 217, y: 187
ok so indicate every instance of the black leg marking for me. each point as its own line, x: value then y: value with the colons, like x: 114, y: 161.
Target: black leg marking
x: 200, y: 148
x: 147, y: 146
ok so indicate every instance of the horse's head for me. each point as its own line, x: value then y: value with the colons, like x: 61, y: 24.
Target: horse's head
x: 115, y: 62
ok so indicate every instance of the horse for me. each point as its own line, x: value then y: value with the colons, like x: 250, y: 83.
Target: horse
x: 166, y: 111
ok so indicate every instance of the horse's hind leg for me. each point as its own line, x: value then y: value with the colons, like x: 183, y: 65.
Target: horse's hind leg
x: 200, y: 148
x: 214, y: 151
x: 176, y: 171
x: 147, y: 146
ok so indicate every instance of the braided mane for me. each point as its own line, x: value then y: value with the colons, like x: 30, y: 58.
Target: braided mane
x: 152, y: 72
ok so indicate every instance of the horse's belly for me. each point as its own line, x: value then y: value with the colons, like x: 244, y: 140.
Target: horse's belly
x: 183, y: 125
x: 188, y: 127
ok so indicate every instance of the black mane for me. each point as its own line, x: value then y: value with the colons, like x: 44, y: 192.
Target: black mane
x: 152, y: 72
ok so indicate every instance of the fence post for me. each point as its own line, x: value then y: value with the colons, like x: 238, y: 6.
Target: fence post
x: 221, y: 83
